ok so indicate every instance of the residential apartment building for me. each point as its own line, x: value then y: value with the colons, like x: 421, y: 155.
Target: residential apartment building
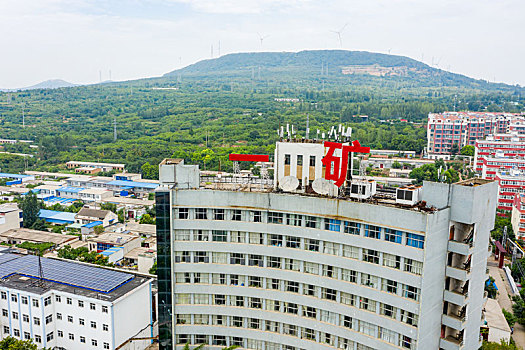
x: 74, y: 306
x: 510, y: 184
x: 464, y: 128
x: 518, y: 216
x: 10, y: 217
x: 498, y: 146
x: 289, y: 269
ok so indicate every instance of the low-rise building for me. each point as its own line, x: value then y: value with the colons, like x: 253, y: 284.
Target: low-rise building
x: 56, y: 217
x: 10, y: 217
x: 68, y: 305
x: 21, y: 235
x: 497, y: 327
x: 104, y: 166
x: 109, y: 240
x: 88, y: 215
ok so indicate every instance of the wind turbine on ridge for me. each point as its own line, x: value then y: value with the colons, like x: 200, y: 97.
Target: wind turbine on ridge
x: 261, y: 38
x: 339, y: 32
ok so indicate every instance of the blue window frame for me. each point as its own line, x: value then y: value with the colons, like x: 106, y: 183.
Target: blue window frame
x: 332, y: 225
x: 394, y: 236
x: 417, y: 241
x: 372, y: 231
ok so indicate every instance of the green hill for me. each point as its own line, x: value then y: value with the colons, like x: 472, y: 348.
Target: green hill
x: 337, y: 67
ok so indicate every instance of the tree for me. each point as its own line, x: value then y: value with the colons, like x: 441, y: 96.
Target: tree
x: 518, y: 309
x: 98, y: 229
x: 455, y: 148
x: 147, y: 219
x: 39, y: 225
x: 468, y: 150
x: 396, y: 165
x: 149, y: 171
x: 11, y: 343
x: 490, y: 289
x: 109, y: 206
x: 509, y: 316
x: 30, y: 207
x: 153, y: 270
x: 498, y: 346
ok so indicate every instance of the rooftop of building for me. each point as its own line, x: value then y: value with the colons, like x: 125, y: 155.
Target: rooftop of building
x: 464, y: 116
x: 28, y: 235
x: 141, y: 228
x: 134, y: 253
x: 8, y: 207
x: 95, y: 191
x: 96, y: 163
x: 114, y: 238
x: 133, y: 184
x: 94, y: 213
x: 129, y: 201
x: 494, y: 315
x: 21, y: 272
x: 56, y: 215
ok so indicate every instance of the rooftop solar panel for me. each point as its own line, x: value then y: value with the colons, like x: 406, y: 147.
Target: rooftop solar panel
x: 64, y: 272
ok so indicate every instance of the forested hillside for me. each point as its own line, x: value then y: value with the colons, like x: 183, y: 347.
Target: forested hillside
x: 202, y: 119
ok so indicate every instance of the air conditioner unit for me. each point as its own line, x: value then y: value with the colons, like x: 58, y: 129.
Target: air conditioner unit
x: 362, y: 189
x: 409, y: 195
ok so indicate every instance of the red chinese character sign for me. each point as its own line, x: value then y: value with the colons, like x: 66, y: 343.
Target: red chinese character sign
x: 336, y: 167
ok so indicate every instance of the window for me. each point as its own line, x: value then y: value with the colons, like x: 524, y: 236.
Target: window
x: 16, y: 332
x: 411, y: 292
x: 393, y: 261
x: 312, y: 160
x: 417, y: 241
x: 413, y: 266
x: 93, y: 342
x: 275, y: 284
x: 290, y: 329
x: 332, y: 225
x: 201, y: 214
x: 200, y: 235
x: 82, y: 339
x: 197, y: 319
x: 38, y: 339
x: 237, y: 259
x: 106, y: 345
x: 369, y: 280
x: 293, y: 242
x: 292, y: 287
x: 310, y: 312
x: 236, y: 215
x: 35, y: 302
x: 219, y: 258
x: 237, y: 237
x: 234, y: 280
x: 329, y: 294
x: 105, y: 309
x: 219, y: 299
x: 5, y: 313
x: 93, y: 324
x: 184, y: 213
x: 311, y: 245
x: 58, y: 299
x: 329, y: 317
x: 310, y: 267
x: 199, y: 299
x: 291, y: 264
x: 329, y: 271
x: 350, y: 251
x: 368, y: 304
x: 14, y: 298
x: 218, y: 214
x: 352, y: 228
x: 219, y: 236
x: 294, y: 219
x: 291, y: 308
x: 71, y: 336
x: 348, y: 299
x: 60, y: 334
x: 312, y: 222
x: 24, y: 300
x: 49, y: 336
x: 236, y: 300
x: 92, y: 306
x: 237, y: 321
x: 287, y: 159
x: 300, y: 159
x: 275, y: 240
x: 256, y: 238
x: 255, y: 260
x: 81, y: 321
x: 219, y: 278
x: 349, y: 275
x: 201, y: 257
x: 387, y: 310
x: 15, y: 315
x: 309, y: 289
x: 373, y: 231
x: 80, y: 303
x: 70, y: 319
x: 367, y: 328
x: 182, y: 235
x: 387, y: 335
x: 275, y: 218
x: 272, y: 326
x: 394, y: 236
x: 255, y: 303
x: 331, y: 248
x: 25, y: 318
x: 409, y: 318
x: 407, y: 342
x: 69, y: 301
x: 255, y: 281
x: 3, y: 295
x: 238, y: 341
x: 371, y: 256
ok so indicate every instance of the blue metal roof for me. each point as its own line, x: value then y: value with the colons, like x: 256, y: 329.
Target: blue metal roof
x: 57, y: 216
x: 133, y: 184
x: 60, y: 200
x: 92, y: 224
x: 71, y: 189
x: 110, y: 251
x: 14, y: 176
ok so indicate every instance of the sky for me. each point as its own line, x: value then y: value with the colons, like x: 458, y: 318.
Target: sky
x: 85, y: 41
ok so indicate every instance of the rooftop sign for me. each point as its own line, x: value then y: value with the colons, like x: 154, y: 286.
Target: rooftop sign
x: 336, y: 167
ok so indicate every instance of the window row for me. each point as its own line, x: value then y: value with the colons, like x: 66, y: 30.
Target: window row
x: 306, y: 333
x: 271, y: 217
x: 301, y: 310
x: 50, y: 336
x: 24, y: 300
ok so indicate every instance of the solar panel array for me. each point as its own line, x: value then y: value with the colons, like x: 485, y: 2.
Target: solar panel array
x: 64, y: 272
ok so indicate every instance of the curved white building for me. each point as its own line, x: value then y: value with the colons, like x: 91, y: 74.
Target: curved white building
x: 290, y: 271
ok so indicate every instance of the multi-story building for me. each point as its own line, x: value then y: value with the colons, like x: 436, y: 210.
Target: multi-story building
x: 510, y: 184
x: 70, y: 305
x: 95, y: 165
x: 286, y: 268
x: 10, y: 217
x: 518, y: 216
x: 463, y: 128
x: 498, y: 146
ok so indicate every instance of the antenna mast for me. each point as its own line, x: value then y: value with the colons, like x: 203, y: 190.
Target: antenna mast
x: 115, y: 129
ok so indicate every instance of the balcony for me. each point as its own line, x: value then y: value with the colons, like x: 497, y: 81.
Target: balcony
x: 453, y: 321
x: 462, y: 274
x: 456, y: 297
x: 451, y: 343
x: 460, y: 247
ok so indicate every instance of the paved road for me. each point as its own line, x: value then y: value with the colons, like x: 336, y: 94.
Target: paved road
x: 504, y: 298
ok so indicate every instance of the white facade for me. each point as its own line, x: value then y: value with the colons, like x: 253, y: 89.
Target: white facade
x: 10, y: 217
x: 288, y: 271
x: 65, y: 317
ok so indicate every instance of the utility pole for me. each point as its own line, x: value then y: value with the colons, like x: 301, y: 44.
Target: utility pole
x: 115, y: 129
